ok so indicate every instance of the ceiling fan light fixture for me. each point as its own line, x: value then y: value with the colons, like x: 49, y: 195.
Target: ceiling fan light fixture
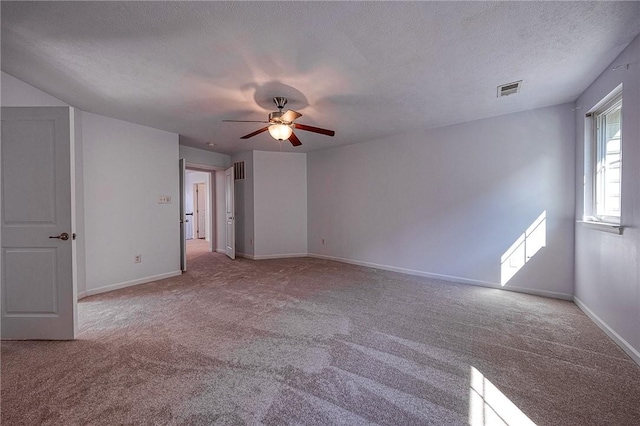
x: 280, y: 132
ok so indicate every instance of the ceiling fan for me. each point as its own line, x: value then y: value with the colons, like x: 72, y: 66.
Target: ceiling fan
x: 281, y: 124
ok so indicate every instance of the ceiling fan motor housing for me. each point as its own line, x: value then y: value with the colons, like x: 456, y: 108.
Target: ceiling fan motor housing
x: 274, y: 117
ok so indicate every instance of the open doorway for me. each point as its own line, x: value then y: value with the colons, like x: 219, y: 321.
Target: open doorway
x: 203, y: 210
x: 199, y: 202
x: 197, y: 205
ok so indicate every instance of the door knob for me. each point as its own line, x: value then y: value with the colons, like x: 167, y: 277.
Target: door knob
x: 64, y: 236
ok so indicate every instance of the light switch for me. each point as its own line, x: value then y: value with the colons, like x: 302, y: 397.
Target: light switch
x: 164, y: 199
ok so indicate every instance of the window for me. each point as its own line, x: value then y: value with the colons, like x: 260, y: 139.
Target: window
x: 603, y: 159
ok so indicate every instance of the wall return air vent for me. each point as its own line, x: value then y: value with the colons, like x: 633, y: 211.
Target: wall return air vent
x: 238, y: 170
x: 509, y: 88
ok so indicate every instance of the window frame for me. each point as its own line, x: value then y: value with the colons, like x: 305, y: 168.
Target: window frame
x: 593, y: 147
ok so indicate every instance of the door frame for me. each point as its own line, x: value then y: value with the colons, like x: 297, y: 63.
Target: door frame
x: 230, y: 212
x: 196, y: 209
x: 212, y: 217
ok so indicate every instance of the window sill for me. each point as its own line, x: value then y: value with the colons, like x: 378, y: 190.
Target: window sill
x: 602, y: 226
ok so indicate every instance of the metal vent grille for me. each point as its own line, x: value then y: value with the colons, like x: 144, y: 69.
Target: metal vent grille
x: 509, y: 88
x: 238, y: 170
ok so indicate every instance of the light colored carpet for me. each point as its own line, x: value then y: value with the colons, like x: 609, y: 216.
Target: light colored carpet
x: 309, y: 341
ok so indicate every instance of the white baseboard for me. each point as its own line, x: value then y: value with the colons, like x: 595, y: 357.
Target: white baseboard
x: 221, y: 251
x: 118, y: 286
x: 619, y: 340
x: 458, y: 280
x: 278, y: 256
x: 271, y: 256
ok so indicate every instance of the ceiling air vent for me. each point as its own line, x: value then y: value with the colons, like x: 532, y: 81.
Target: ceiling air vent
x: 509, y: 88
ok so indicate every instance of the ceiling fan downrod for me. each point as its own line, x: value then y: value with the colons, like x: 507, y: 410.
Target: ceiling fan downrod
x: 280, y: 102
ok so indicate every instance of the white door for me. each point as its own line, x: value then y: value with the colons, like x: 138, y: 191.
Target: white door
x: 201, y: 209
x: 230, y: 246
x: 183, y: 238
x: 39, y: 293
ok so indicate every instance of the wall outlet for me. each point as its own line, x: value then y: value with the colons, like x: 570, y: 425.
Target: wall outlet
x: 137, y: 258
x: 323, y: 241
x: 164, y: 199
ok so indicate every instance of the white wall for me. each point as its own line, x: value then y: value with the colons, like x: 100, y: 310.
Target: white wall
x: 280, y: 204
x: 203, y: 157
x: 126, y: 168
x: 451, y: 201
x: 607, y: 266
x: 18, y: 93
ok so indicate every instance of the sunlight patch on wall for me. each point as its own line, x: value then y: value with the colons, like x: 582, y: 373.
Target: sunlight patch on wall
x: 489, y: 406
x: 524, y: 248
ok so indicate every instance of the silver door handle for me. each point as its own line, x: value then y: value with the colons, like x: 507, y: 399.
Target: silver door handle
x: 64, y: 236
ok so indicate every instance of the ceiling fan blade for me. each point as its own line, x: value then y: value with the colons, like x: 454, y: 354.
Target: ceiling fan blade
x: 314, y: 129
x: 294, y: 140
x: 243, y: 121
x: 290, y: 115
x: 257, y: 132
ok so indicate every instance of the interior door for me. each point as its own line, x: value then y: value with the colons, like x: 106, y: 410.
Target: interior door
x: 183, y: 238
x: 201, y: 209
x: 39, y: 294
x: 230, y: 245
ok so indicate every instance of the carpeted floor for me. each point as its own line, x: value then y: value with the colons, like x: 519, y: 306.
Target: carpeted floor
x: 309, y: 341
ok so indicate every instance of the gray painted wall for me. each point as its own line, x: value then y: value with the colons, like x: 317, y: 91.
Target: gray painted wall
x: 451, y: 201
x: 607, y: 266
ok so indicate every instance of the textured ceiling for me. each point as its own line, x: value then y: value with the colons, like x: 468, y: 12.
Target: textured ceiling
x: 367, y: 70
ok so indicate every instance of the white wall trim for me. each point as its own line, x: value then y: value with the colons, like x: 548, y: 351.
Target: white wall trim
x: 279, y: 256
x: 220, y: 251
x: 450, y: 278
x: 125, y: 284
x: 619, y: 340
x: 202, y: 167
x: 271, y: 256
x: 245, y: 255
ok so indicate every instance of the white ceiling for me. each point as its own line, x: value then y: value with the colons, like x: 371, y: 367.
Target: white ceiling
x: 366, y: 70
